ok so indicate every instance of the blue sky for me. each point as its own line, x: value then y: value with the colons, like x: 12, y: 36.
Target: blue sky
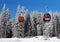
x: 31, y: 5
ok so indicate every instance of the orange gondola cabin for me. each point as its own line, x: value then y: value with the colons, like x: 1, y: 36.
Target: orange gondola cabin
x: 46, y: 17
x: 21, y: 19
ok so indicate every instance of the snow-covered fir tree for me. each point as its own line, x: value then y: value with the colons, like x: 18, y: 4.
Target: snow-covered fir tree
x: 39, y: 23
x: 28, y: 27
x: 34, y: 23
x: 55, y: 18
x: 58, y: 26
x: 18, y: 29
x: 5, y: 22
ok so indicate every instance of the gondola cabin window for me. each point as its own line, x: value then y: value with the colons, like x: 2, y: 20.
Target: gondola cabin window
x: 46, y: 17
x: 21, y: 19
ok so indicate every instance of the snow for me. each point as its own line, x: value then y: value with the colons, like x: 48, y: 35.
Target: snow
x: 33, y: 39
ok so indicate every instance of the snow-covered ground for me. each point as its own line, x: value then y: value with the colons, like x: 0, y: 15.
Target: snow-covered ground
x: 33, y: 39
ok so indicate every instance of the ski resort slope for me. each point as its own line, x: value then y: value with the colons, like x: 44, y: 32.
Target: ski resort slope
x: 33, y: 39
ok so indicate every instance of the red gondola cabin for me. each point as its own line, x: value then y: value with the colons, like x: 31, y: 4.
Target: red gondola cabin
x: 46, y: 17
x: 21, y: 19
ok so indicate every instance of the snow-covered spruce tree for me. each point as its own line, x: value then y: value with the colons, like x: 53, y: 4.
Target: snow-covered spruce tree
x: 34, y: 23
x: 42, y: 25
x: 18, y: 29
x: 28, y: 26
x: 5, y: 16
x: 51, y: 25
x: 39, y: 23
x: 9, y: 25
x: 58, y: 26
x: 55, y: 22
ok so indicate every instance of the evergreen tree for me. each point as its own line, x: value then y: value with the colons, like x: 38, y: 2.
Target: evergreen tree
x: 39, y: 23
x: 28, y: 26
x: 5, y: 16
x: 18, y: 26
x: 34, y: 23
